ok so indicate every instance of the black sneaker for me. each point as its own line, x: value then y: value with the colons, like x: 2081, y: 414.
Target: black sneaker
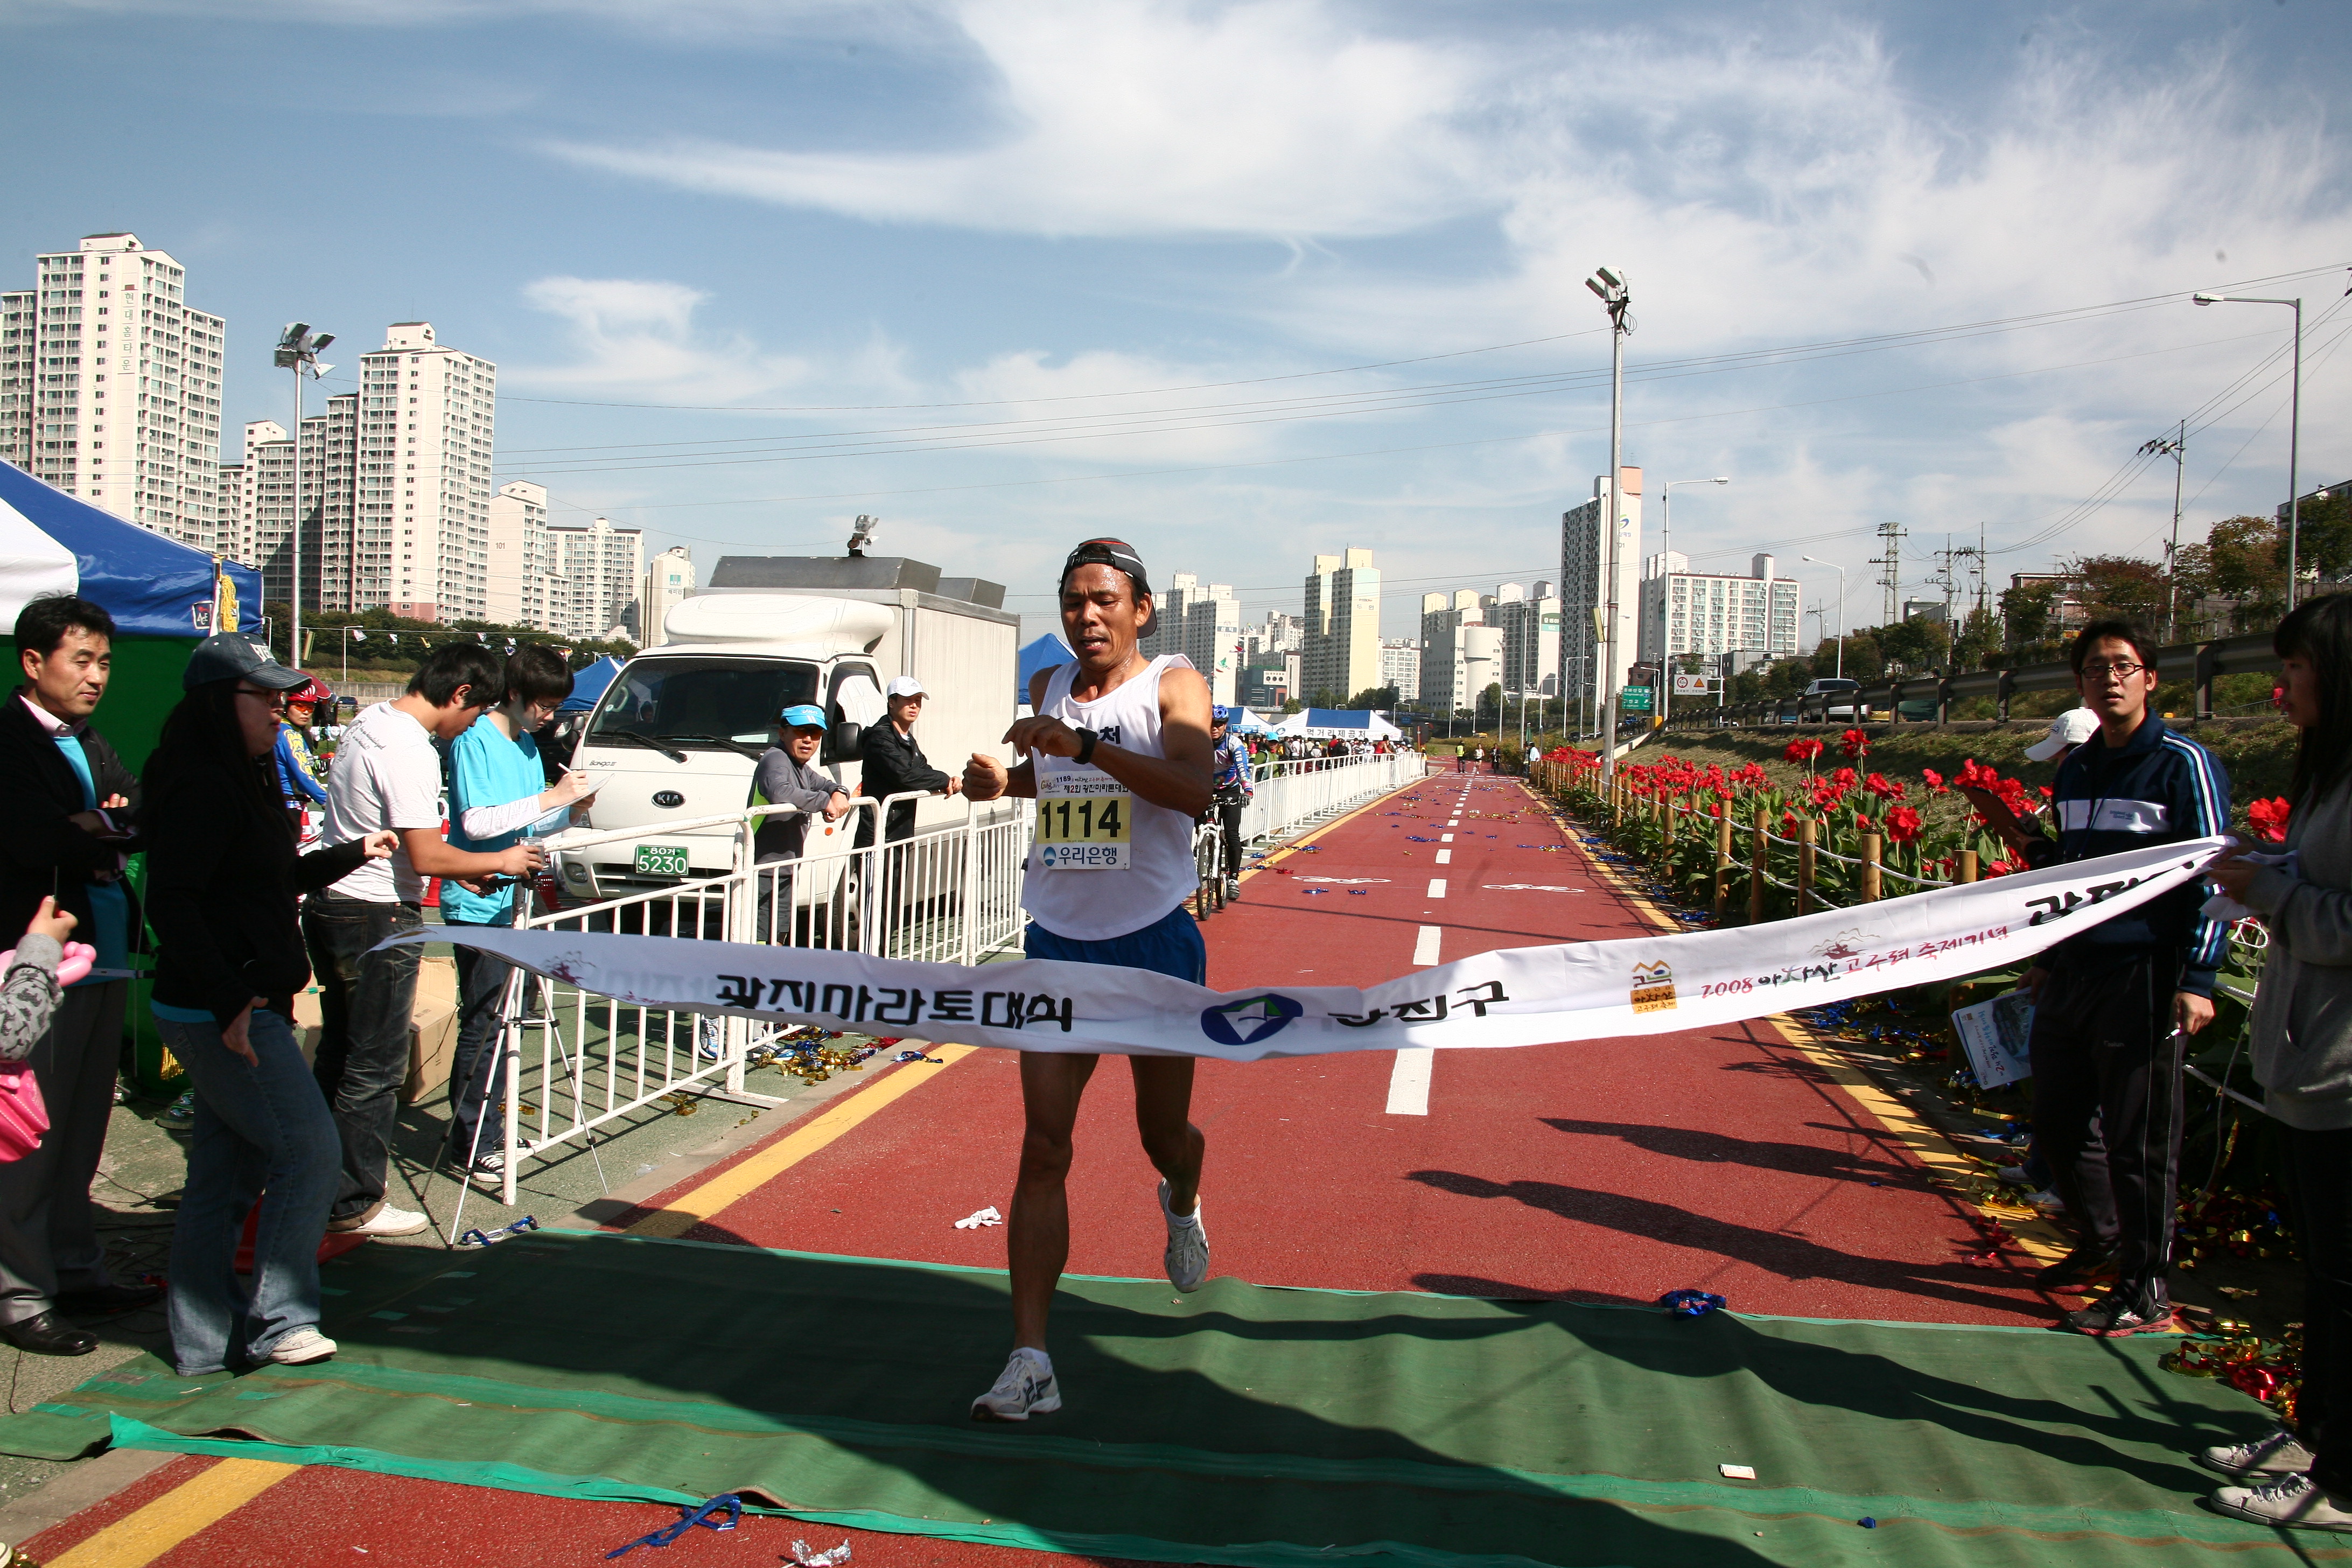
x: 2120, y: 1313
x: 2078, y: 1273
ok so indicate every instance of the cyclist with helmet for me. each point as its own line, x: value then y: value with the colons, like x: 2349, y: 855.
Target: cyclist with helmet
x: 301, y: 774
x: 1234, y: 786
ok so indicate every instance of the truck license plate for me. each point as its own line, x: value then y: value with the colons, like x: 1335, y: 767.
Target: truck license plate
x: 661, y: 860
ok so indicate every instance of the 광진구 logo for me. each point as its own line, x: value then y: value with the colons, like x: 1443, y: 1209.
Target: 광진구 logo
x: 1246, y: 1022
x: 1653, y: 986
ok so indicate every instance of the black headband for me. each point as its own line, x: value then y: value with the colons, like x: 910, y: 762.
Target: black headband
x: 1116, y: 554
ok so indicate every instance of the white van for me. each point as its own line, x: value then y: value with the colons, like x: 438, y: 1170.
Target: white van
x: 678, y: 735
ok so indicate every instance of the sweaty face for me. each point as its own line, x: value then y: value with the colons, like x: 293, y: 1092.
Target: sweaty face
x: 1101, y: 617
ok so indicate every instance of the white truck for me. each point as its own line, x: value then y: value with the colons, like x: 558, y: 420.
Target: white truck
x: 678, y: 735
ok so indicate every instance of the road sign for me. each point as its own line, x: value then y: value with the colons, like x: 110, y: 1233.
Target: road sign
x: 1634, y: 698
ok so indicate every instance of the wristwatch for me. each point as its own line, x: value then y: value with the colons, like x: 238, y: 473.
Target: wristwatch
x: 1087, y: 739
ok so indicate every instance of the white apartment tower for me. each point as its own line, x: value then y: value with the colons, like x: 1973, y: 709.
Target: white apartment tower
x: 1530, y: 625
x: 1584, y: 597
x: 1714, y: 613
x: 109, y: 386
x: 1343, y: 655
x: 669, y: 578
x: 420, y: 538
x: 605, y: 568
x: 527, y: 586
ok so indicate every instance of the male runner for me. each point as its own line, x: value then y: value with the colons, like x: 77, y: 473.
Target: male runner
x: 1128, y: 737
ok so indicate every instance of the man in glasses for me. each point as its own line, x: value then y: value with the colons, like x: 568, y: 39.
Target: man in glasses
x: 2117, y: 1001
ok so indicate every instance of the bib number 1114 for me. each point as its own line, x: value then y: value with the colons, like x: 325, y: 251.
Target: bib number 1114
x: 1084, y: 832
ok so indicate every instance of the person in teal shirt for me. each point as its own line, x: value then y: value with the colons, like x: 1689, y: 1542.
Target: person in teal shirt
x: 497, y: 796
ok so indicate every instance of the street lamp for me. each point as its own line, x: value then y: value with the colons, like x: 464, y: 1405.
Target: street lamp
x: 2295, y: 424
x: 1665, y: 588
x: 298, y: 351
x: 1615, y: 298
x: 1840, y: 624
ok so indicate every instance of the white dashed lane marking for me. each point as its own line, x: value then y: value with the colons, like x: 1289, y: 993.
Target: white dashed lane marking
x: 1437, y: 887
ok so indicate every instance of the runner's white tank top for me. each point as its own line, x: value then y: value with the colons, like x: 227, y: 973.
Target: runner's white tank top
x: 1095, y: 905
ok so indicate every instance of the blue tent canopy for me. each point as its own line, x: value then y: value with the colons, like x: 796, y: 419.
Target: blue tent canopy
x: 153, y: 586
x: 1043, y: 654
x: 589, y: 684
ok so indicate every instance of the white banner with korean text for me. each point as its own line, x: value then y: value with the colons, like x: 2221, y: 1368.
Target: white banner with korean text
x: 1665, y: 983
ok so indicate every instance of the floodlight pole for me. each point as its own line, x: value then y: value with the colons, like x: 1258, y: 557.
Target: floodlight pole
x: 1614, y: 298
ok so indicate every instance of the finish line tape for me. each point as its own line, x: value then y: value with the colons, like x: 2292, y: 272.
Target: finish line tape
x: 1653, y: 984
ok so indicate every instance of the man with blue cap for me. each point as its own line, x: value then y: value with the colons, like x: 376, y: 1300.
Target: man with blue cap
x: 788, y: 775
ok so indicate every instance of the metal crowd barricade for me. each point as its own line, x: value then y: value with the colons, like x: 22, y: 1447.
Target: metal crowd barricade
x: 570, y: 1062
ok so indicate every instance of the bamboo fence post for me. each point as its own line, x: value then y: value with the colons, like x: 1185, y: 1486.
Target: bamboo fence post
x: 1870, y: 868
x: 1967, y: 865
x: 1722, y: 855
x: 1758, y: 848
x: 1804, y: 865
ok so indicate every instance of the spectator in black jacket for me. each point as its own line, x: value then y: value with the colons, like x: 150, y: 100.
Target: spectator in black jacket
x: 67, y: 803
x: 2115, y: 1002
x: 222, y: 881
x: 892, y: 763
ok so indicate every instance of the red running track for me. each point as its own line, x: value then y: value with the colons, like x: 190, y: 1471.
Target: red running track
x: 1612, y: 1171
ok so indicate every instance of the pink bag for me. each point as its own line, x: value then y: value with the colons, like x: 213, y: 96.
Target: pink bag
x: 23, y: 1117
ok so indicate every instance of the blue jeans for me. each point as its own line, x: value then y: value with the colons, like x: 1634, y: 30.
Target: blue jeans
x: 264, y: 1128
x: 482, y: 993
x: 367, y: 1002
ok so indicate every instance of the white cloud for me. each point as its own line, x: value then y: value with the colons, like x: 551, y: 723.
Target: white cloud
x: 637, y: 334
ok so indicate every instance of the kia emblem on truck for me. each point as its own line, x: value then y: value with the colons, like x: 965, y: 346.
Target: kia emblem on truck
x: 668, y: 798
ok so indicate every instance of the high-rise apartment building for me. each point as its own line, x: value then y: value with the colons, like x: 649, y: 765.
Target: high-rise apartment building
x: 1714, y: 613
x: 109, y: 386
x: 1343, y: 655
x: 1584, y: 596
x: 1443, y: 619
x: 605, y: 570
x: 527, y: 586
x: 331, y: 506
x: 669, y: 578
x: 1400, y: 667
x: 1530, y: 623
x: 420, y: 534
x: 256, y: 517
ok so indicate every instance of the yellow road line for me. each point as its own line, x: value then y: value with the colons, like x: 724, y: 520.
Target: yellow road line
x: 2037, y: 1238
x: 202, y: 1500
x: 739, y: 1182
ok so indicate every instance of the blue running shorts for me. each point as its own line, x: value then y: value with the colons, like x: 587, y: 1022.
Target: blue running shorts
x: 1170, y: 945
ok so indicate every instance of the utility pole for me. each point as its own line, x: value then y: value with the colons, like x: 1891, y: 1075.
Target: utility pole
x: 2178, y: 448
x: 1890, y: 536
x: 1614, y: 298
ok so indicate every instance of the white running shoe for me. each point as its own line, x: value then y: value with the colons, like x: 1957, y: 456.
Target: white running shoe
x: 2278, y: 1453
x: 1026, y: 1389
x: 301, y: 1347
x: 2296, y: 1501
x: 386, y: 1221
x: 1188, y: 1244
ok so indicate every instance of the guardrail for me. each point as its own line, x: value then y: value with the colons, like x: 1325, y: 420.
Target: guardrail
x: 2198, y: 663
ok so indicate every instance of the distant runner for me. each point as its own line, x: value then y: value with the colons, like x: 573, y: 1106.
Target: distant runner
x: 1119, y: 760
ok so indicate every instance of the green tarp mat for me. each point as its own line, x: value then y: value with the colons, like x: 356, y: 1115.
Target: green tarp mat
x: 1240, y: 1424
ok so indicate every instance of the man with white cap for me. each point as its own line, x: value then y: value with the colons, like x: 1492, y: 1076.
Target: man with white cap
x: 893, y: 765
x: 2067, y: 730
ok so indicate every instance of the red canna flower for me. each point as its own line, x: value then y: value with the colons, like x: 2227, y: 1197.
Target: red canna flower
x: 1936, y: 784
x: 1903, y: 824
x: 1854, y: 744
x: 1883, y: 788
x: 1804, y: 752
x: 2269, y: 818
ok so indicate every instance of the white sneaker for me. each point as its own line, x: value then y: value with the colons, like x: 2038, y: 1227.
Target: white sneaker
x: 1187, y: 1257
x: 1026, y: 1389
x: 2278, y: 1453
x: 387, y: 1221
x: 301, y: 1347
x: 2296, y: 1501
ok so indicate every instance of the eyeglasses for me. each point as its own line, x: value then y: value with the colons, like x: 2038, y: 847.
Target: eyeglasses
x: 276, y: 699
x: 2100, y: 669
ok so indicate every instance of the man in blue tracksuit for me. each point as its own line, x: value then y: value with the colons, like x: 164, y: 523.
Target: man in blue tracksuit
x: 2115, y: 1003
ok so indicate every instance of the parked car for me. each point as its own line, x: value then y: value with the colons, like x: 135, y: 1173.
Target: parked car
x: 1830, y: 699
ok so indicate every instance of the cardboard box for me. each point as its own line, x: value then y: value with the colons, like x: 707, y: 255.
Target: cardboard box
x: 432, y: 1030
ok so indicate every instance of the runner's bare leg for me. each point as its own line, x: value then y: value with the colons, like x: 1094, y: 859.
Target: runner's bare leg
x: 1037, y: 1234
x: 1163, y: 1113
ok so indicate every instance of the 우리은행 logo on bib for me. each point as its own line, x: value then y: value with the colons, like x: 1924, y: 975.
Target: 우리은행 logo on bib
x: 1653, y: 986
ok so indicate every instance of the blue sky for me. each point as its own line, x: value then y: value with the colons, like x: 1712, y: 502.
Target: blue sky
x: 1011, y: 272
